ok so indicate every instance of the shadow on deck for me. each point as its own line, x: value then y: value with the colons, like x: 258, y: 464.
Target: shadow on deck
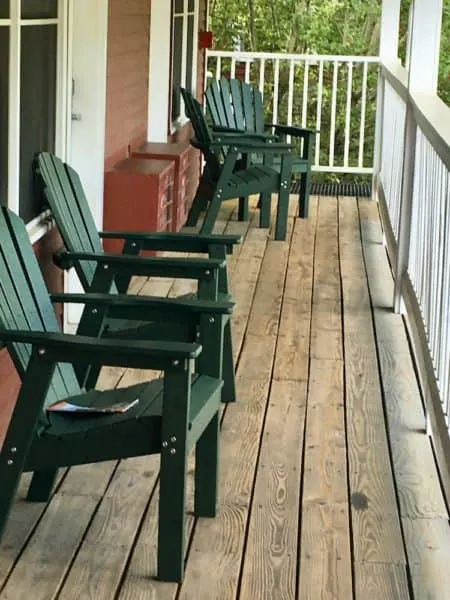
x: 328, y: 486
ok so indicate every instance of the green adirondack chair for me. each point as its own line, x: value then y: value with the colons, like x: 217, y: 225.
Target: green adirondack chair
x: 237, y: 107
x: 111, y: 273
x: 172, y: 415
x: 226, y: 176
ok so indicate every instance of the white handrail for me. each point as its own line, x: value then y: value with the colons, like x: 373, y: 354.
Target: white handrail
x: 286, y: 56
x: 413, y: 188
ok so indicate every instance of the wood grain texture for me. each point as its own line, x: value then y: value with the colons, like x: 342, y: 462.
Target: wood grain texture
x: 48, y: 556
x: 265, y: 315
x: 98, y: 567
x: 97, y: 538
x: 325, y: 462
x: 270, y: 561
x: 428, y: 545
x: 416, y: 476
x: 326, y: 332
x: 140, y: 581
x: 257, y: 357
x: 376, y: 526
x: 292, y: 355
x: 379, y: 581
x: 22, y: 519
x: 325, y: 564
x: 243, y: 283
x: 368, y: 210
x: 217, y: 544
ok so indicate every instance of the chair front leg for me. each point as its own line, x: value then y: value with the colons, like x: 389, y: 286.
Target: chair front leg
x: 172, y: 494
x: 265, y: 208
x: 41, y: 485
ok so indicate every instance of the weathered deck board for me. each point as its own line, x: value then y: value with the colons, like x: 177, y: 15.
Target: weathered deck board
x: 328, y: 487
x: 270, y: 561
x: 225, y: 535
x: 325, y: 562
x: 377, y: 536
x: 421, y: 502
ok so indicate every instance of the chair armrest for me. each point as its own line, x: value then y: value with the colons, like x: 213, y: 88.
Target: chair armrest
x: 189, y: 268
x: 61, y: 347
x: 245, y: 146
x: 293, y: 130
x: 242, y: 133
x: 147, y: 303
x: 225, y: 129
x: 175, y: 242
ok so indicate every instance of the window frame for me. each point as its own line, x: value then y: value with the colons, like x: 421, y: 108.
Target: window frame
x: 178, y: 121
x: 38, y: 225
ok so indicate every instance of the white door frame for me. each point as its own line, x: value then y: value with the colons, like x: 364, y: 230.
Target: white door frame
x: 87, y: 71
x: 159, y: 70
x: 88, y: 27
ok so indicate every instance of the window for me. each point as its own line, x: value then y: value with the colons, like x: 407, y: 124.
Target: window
x: 29, y: 31
x: 4, y: 102
x: 184, y: 52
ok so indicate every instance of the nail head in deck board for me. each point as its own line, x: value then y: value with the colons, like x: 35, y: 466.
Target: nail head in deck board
x: 265, y: 313
x: 378, y: 581
x: 428, y: 548
x: 270, y: 561
x: 51, y: 549
x: 325, y: 563
x: 325, y: 460
x: 220, y: 541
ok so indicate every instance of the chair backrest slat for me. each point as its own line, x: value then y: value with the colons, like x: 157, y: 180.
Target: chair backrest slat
x: 235, y: 100
x: 202, y: 134
x: 24, y: 300
x: 68, y: 203
x: 225, y: 93
x: 238, y: 98
x: 215, y: 105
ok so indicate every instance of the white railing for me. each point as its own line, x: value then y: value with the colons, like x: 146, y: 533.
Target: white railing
x: 392, y: 148
x: 333, y: 94
x: 413, y: 186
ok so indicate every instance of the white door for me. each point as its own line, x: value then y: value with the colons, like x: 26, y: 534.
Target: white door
x: 88, y: 32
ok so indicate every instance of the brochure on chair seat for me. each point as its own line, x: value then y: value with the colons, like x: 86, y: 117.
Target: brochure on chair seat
x: 67, y: 407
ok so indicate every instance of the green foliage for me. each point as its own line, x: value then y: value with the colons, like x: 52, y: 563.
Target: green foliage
x: 444, y: 64
x: 337, y: 27
x: 297, y: 26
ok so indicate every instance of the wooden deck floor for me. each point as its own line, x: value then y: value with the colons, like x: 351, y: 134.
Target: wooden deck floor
x: 328, y: 487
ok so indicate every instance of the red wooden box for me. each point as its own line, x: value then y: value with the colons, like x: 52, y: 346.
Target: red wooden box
x: 180, y: 154
x: 138, y: 197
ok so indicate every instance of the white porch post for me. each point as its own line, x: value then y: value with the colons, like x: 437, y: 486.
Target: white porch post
x: 159, y: 71
x: 422, y: 78
x: 389, y: 34
x: 389, y: 31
